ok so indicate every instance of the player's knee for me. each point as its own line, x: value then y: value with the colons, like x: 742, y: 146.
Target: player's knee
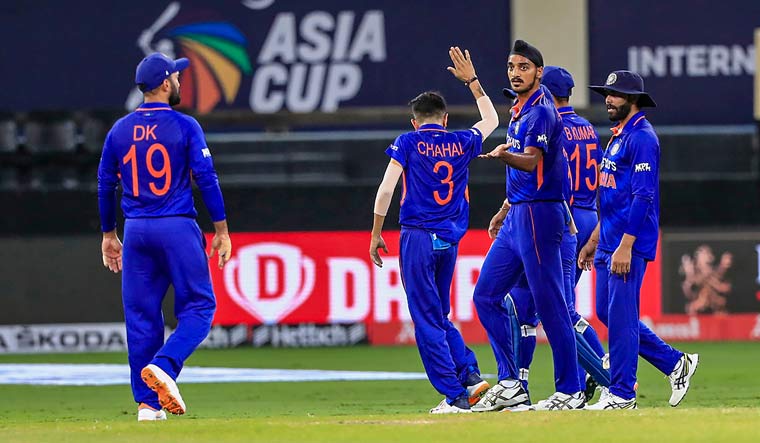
x: 482, y: 300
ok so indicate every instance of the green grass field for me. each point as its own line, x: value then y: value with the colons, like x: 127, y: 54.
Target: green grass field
x: 722, y: 405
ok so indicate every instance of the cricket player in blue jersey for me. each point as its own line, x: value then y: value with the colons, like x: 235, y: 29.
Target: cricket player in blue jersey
x: 153, y: 153
x: 529, y: 241
x: 434, y: 217
x: 581, y: 144
x: 626, y: 238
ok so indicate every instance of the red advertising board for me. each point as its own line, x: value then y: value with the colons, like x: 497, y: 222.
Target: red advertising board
x: 328, y: 278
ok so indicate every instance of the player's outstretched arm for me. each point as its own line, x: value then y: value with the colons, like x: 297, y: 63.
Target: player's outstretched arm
x: 221, y: 243
x: 464, y: 71
x: 526, y: 161
x: 382, y: 203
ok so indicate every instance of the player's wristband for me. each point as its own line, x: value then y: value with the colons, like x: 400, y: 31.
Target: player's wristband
x: 467, y: 83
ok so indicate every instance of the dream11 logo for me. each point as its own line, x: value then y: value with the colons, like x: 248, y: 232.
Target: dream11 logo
x: 302, y: 66
x: 269, y: 280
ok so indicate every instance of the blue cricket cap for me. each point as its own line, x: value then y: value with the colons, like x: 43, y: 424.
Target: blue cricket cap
x: 626, y: 82
x: 155, y: 68
x: 558, y: 81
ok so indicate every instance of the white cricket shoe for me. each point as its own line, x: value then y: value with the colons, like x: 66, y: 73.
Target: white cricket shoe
x: 505, y: 394
x: 162, y: 384
x: 608, y: 401
x: 681, y: 376
x: 147, y: 413
x: 562, y: 402
x: 445, y: 408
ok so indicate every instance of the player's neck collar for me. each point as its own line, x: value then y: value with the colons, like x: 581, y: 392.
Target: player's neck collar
x: 564, y: 110
x: 632, y: 122
x: 154, y: 106
x: 431, y: 127
x: 518, y: 110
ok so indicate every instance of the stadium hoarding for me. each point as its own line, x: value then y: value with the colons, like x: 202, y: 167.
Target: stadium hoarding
x: 72, y: 338
x: 687, y: 66
x: 63, y: 338
x: 739, y: 327
x: 262, y: 55
x: 327, y: 277
x: 289, y: 278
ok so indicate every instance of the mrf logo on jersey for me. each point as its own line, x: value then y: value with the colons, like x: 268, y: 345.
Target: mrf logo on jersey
x: 305, y: 63
x: 642, y: 167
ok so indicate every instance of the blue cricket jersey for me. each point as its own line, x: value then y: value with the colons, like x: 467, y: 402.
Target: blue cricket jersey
x: 154, y: 151
x: 584, y: 155
x: 630, y: 169
x: 537, y: 124
x: 435, y: 195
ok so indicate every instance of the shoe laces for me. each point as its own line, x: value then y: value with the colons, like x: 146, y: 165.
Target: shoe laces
x: 492, y: 394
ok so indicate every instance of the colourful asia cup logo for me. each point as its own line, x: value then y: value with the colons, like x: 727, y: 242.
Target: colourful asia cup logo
x: 217, y: 54
x: 307, y: 62
x: 217, y: 61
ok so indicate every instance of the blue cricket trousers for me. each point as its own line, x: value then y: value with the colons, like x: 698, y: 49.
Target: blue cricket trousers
x: 526, y: 311
x: 529, y: 243
x: 586, y: 221
x: 159, y: 252
x: 426, y: 275
x: 617, y: 306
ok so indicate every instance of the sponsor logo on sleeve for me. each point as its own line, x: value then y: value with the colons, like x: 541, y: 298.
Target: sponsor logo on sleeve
x: 642, y: 167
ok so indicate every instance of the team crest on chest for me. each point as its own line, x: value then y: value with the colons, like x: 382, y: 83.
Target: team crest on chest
x: 517, y: 127
x: 615, y: 148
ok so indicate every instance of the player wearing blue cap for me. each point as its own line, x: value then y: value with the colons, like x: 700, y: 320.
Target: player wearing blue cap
x: 582, y: 148
x: 529, y: 240
x: 434, y: 216
x: 153, y: 153
x: 629, y: 199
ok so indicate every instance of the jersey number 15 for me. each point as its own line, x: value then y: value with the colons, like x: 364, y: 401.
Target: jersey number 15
x: 591, y: 163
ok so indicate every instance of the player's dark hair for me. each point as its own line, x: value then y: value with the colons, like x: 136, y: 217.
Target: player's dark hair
x: 428, y: 105
x: 563, y: 99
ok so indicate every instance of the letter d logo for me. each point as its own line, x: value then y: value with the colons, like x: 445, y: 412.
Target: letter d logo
x: 269, y: 280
